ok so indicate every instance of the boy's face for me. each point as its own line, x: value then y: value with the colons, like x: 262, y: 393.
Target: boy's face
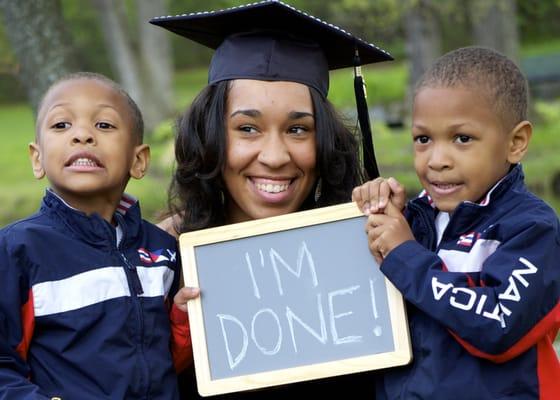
x: 85, y: 142
x: 461, y: 147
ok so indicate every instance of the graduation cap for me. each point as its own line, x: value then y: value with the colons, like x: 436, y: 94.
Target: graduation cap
x: 273, y: 41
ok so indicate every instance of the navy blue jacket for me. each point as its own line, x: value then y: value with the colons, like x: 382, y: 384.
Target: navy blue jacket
x: 80, y: 317
x: 483, y: 305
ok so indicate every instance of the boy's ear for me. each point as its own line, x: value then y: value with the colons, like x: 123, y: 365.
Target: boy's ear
x: 141, y: 161
x: 36, y: 162
x: 519, y: 138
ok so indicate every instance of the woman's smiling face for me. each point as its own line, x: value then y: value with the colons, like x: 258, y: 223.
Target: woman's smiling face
x: 271, y: 148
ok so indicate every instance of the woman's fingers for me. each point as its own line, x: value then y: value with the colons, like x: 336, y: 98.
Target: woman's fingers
x: 184, y: 295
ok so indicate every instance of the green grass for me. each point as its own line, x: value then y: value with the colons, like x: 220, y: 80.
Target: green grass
x: 385, y: 83
x: 187, y: 84
x: 20, y: 192
x: 549, y: 46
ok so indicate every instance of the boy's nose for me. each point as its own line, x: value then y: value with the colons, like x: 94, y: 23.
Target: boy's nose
x: 274, y: 152
x: 439, y: 158
x: 83, y: 136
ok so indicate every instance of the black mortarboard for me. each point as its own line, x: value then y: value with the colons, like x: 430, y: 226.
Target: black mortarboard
x: 270, y: 40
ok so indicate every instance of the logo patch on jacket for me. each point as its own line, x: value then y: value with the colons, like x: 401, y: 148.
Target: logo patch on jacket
x: 150, y: 257
x: 468, y: 239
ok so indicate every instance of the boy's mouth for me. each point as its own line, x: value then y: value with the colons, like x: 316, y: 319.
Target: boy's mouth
x: 444, y: 188
x: 83, y: 159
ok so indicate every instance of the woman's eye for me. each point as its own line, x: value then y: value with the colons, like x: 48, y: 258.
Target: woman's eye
x: 298, y: 130
x: 422, y: 139
x: 61, y: 125
x: 105, y: 125
x: 247, y: 129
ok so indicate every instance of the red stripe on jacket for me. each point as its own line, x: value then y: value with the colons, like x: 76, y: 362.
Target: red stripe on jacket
x: 28, y: 325
x: 548, y: 368
x: 549, y: 325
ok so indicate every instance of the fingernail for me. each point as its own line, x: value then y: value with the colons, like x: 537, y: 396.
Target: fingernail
x: 366, y: 208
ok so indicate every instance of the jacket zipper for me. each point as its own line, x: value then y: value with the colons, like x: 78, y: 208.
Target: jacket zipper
x: 136, y: 284
x: 132, y: 272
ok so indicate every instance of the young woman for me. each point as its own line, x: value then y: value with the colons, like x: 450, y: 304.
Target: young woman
x: 262, y: 139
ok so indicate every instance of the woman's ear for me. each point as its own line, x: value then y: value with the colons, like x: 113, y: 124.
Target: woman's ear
x: 36, y: 160
x: 519, y: 139
x: 141, y: 161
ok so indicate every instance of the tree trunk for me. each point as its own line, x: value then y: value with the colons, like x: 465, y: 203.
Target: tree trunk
x: 494, y: 25
x: 156, y: 57
x: 37, y: 35
x: 114, y: 22
x: 423, y: 41
x: 423, y: 38
x: 141, y: 62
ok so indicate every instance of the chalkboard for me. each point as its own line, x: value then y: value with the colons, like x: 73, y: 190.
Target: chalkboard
x: 290, y: 298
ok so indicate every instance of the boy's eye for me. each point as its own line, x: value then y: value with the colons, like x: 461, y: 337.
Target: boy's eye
x: 61, y: 125
x: 104, y: 125
x: 463, y: 138
x: 421, y: 139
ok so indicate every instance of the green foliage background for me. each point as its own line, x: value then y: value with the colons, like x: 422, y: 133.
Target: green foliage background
x: 377, y: 21
x: 21, y: 194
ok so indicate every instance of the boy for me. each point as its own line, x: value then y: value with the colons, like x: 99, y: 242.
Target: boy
x: 476, y: 254
x: 84, y: 310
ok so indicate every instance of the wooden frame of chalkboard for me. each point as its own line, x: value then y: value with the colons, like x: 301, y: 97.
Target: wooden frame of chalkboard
x: 243, y: 286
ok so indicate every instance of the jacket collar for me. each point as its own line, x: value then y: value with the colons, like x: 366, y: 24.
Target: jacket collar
x: 513, y: 179
x: 93, y: 228
x: 421, y: 212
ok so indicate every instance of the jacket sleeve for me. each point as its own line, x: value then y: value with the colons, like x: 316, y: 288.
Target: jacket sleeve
x: 515, y: 304
x: 181, y: 346
x: 16, y: 328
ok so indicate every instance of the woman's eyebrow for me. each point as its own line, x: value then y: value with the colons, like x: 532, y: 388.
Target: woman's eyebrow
x: 256, y: 113
x: 250, y: 113
x: 299, y: 114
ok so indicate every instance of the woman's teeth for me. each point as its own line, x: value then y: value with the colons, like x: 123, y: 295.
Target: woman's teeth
x: 272, y: 188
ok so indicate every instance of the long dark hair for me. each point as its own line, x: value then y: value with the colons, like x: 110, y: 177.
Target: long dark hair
x: 197, y: 189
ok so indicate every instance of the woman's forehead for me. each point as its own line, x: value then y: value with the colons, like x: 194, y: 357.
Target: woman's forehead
x: 255, y: 94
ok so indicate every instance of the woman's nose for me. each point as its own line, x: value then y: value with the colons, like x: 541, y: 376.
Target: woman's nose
x: 274, y: 152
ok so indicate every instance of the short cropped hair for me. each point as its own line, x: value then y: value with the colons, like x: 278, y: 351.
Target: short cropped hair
x: 137, y: 120
x: 482, y: 68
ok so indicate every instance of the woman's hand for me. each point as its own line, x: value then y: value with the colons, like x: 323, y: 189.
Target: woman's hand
x: 184, y: 295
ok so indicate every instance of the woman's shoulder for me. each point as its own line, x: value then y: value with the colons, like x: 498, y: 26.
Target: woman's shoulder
x: 168, y: 224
